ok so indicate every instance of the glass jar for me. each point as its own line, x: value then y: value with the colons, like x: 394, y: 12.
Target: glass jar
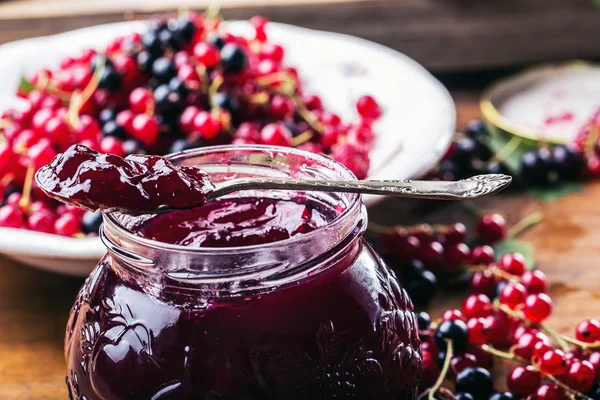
x: 316, y: 316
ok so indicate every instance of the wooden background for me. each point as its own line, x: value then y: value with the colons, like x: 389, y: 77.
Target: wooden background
x: 443, y: 35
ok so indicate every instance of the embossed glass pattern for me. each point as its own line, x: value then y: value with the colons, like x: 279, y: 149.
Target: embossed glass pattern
x: 317, y: 316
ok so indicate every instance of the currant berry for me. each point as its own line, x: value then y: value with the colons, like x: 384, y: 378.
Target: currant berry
x: 513, y: 263
x: 463, y: 396
x: 145, y: 129
x: 477, y: 305
x: 454, y: 330
x: 422, y: 287
x: 553, y: 362
x: 41, y: 221
x: 525, y: 346
x: 502, y: 396
x: 276, y: 134
x: 207, y: 54
x: 549, y: 392
x: 67, y: 224
x: 233, y: 58
x: 140, y: 100
x: 513, y: 295
x: 478, y: 331
x: 482, y: 282
x: 456, y: 255
x: 524, y: 380
x: 482, y: 255
x: 498, y: 329
x: 534, y: 282
x: 423, y: 321
x: 11, y: 216
x: 594, y: 359
x: 459, y: 363
x: 112, y: 145
x: 431, y: 254
x: 537, y: 307
x: 452, y: 315
x: 491, y: 228
x: 455, y: 233
x: 580, y: 376
x: 368, y: 108
x: 588, y: 331
x: 430, y: 371
x: 91, y: 222
x: 475, y: 381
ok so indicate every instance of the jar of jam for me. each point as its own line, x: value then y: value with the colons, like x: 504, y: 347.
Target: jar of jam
x: 258, y: 295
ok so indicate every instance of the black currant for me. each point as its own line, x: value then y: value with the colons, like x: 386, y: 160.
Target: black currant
x: 107, y: 115
x: 422, y: 288
x: 133, y: 147
x: 226, y: 102
x: 568, y: 162
x: 185, y: 30
x: 178, y: 86
x: 502, y: 396
x: 476, y: 129
x: 151, y: 43
x: 423, y: 321
x: 463, y: 396
x: 440, y: 359
x: 110, y: 79
x: 412, y: 270
x: 91, y: 222
x: 475, y: 381
x: 465, y: 151
x: 169, y: 39
x: 595, y: 392
x: 167, y: 101
x: 144, y: 61
x: 535, y: 166
x: 233, y: 58
x: 112, y: 129
x: 215, y: 40
x: 454, y: 330
x: 101, y: 60
x: 163, y: 69
x: 449, y: 171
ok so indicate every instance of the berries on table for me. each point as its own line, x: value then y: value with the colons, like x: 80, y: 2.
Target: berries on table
x: 475, y: 381
x: 513, y: 263
x: 491, y: 228
x: 537, y: 307
x: 454, y: 330
x: 524, y: 380
x: 588, y: 331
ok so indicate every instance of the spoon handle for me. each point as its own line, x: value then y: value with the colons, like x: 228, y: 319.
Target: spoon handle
x: 470, y: 188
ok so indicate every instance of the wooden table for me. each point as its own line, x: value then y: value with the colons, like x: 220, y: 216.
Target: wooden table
x: 34, y: 304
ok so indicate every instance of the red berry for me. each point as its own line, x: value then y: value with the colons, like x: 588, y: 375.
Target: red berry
x: 430, y: 371
x: 534, y: 282
x: 484, y: 359
x: 187, y: 73
x: 540, y: 348
x: 513, y: 295
x: 498, y: 329
x: 456, y: 233
x: 88, y: 129
x: 537, y: 307
x: 207, y: 126
x: 462, y: 362
x: 456, y: 255
x: 112, y: 145
x: 145, y: 129
x: 186, y: 119
x: 552, y: 362
x: 594, y: 359
x: 40, y: 118
x: 125, y: 119
x: 248, y: 130
x: 588, y: 331
x: 7, y: 157
x: 206, y: 54
x: 259, y: 22
x: 276, y: 134
x: 41, y: 221
x: 580, y: 376
x: 68, y: 224
x: 41, y: 153
x: 483, y: 282
x: 482, y: 255
x: 282, y: 107
x: 549, y: 392
x: 58, y: 131
x: 452, y: 315
x: 140, y: 100
x: 513, y: 263
x: 368, y: 108
x: 478, y: 331
x: 266, y: 67
x: 491, y: 228
x: 431, y: 254
x: 271, y: 51
x: 524, y: 380
x: 477, y: 305
x: 11, y: 216
x: 313, y: 103
x: 14, y: 199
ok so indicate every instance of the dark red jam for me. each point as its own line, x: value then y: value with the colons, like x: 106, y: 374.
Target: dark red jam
x: 86, y: 178
x: 236, y: 222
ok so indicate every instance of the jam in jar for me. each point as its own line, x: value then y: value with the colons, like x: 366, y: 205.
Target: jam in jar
x: 258, y: 295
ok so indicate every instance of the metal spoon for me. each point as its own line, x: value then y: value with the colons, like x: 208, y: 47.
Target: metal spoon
x: 470, y: 188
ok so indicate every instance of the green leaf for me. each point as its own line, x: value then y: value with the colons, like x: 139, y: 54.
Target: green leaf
x: 500, y: 142
x: 515, y: 246
x: 24, y: 85
x: 556, y: 191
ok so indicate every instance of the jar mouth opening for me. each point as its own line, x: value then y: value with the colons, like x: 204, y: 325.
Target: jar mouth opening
x: 311, y: 165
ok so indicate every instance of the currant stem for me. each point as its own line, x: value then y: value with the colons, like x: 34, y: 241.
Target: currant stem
x: 302, y: 138
x: 444, y: 372
x: 583, y: 345
x: 26, y: 197
x: 503, y: 354
x: 494, y: 271
x: 507, y: 150
x: 565, y: 387
x: 556, y: 336
x: 524, y: 224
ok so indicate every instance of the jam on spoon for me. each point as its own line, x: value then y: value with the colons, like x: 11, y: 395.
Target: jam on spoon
x: 92, y: 180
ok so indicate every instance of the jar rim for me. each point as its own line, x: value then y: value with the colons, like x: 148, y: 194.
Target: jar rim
x: 337, y: 224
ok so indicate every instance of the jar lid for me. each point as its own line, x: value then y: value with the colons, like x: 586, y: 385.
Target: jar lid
x: 551, y: 103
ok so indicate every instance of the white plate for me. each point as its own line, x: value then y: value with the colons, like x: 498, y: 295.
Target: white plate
x: 416, y: 127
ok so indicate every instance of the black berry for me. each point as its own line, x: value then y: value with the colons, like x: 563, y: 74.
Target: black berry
x: 91, y: 222
x: 475, y: 381
x: 112, y: 129
x: 454, y: 330
x: 423, y: 321
x: 163, y: 69
x: 185, y: 30
x: 107, y: 115
x: 568, y: 163
x: 502, y: 396
x: 144, y: 60
x: 422, y: 288
x: 463, y: 396
x: 226, y: 102
x: 233, y: 58
x: 110, y: 79
x: 535, y: 166
x: 215, y: 40
x: 167, y: 101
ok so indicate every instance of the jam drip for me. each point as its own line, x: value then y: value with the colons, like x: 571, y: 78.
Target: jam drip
x: 237, y: 222
x: 92, y: 180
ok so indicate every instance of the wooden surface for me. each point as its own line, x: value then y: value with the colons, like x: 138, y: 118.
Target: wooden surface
x: 448, y: 35
x: 34, y: 304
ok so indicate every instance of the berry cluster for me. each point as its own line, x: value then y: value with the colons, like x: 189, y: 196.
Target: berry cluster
x: 183, y: 83
x: 471, y: 154
x: 463, y: 344
x: 421, y: 252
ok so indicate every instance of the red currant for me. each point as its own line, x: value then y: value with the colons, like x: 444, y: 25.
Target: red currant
x: 431, y: 254
x: 537, y: 307
x: 478, y: 331
x: 456, y: 255
x: 145, y: 129
x: 313, y: 102
x: 140, y: 100
x: 491, y: 228
x: 452, y: 315
x: 524, y: 380
x: 588, y: 331
x: 282, y: 107
x: 207, y: 126
x: 367, y: 107
x: 68, y: 224
x: 594, y: 359
x: 206, y: 54
x: 477, y: 305
x: 482, y: 255
x: 553, y: 362
x: 41, y: 153
x: 186, y: 119
x: 549, y: 392
x: 112, y: 145
x: 276, y: 134
x: 513, y: 263
x: 58, y: 131
x: 455, y: 233
x: 88, y: 128
x: 11, y: 216
x: 513, y: 295
x: 535, y: 282
x: 483, y: 282
x: 525, y: 346
x: 41, y: 221
x: 498, y: 329
x: 461, y: 362
x: 580, y: 376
